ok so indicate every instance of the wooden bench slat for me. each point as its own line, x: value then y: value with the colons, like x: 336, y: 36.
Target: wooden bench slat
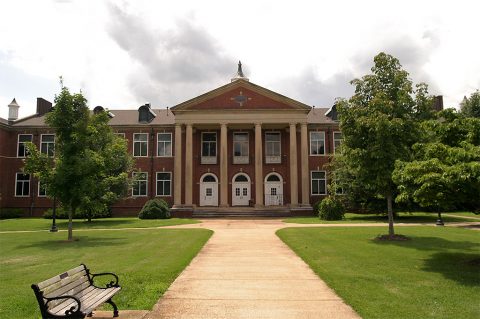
x: 61, y: 290
x: 66, y: 304
x: 52, y: 280
x: 91, y: 304
x: 73, y: 289
x: 65, y: 281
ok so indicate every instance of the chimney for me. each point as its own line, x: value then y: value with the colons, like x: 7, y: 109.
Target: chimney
x: 43, y: 106
x: 13, y: 110
x: 438, y: 103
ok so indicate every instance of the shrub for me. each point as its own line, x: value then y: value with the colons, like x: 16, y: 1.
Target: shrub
x: 330, y: 208
x: 6, y: 213
x: 155, y: 209
x: 62, y: 213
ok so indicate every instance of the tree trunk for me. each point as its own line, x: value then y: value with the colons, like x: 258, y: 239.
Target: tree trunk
x: 70, y: 223
x: 391, y: 232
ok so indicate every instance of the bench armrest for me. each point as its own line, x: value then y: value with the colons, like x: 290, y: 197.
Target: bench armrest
x: 110, y: 284
x: 75, y: 309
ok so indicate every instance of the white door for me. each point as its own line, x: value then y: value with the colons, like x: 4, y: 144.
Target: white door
x: 273, y: 190
x: 209, y: 190
x: 240, y: 190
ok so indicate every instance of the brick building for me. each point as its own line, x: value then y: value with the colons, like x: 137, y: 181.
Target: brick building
x: 239, y: 147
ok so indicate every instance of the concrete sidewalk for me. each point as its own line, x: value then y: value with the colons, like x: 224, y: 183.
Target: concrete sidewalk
x: 246, y: 271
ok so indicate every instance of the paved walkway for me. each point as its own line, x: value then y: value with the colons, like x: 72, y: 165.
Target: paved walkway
x: 246, y: 271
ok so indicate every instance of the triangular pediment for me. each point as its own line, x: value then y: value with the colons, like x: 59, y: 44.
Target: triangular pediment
x: 240, y: 95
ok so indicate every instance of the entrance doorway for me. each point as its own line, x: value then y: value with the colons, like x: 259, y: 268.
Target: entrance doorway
x: 273, y: 190
x: 240, y: 190
x: 208, y: 190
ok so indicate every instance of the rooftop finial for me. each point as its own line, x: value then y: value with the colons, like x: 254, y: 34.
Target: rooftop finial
x: 239, y: 74
x: 13, y: 110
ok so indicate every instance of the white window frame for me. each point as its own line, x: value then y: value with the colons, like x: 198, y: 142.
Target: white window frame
x: 164, y: 180
x: 209, y: 159
x: 273, y: 159
x: 18, y: 144
x: 38, y: 191
x: 23, y: 182
x: 317, y: 141
x: 340, y: 140
x: 120, y: 134
x: 134, y: 174
x: 48, y: 144
x: 318, y: 179
x: 134, y: 142
x: 164, y: 142
x: 244, y: 158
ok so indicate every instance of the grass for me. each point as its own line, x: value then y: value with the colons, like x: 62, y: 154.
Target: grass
x: 147, y: 261
x: 124, y: 222
x: 430, y: 276
x: 416, y: 217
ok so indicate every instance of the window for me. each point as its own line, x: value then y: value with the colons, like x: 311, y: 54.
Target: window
x: 47, y: 144
x: 164, y: 144
x: 42, y: 191
x: 164, y: 183
x: 240, y: 148
x: 317, y: 143
x: 122, y: 135
x: 140, y: 144
x: 209, y: 148
x: 22, y: 182
x: 22, y: 139
x: 139, y: 184
x: 337, y: 141
x: 272, y: 147
x: 319, y: 183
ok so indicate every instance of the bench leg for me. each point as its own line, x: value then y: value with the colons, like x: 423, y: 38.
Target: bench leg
x: 115, y: 309
x: 90, y: 314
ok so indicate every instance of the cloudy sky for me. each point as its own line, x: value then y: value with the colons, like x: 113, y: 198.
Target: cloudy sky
x: 123, y: 54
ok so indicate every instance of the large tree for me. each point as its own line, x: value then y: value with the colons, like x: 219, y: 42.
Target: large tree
x: 471, y: 106
x: 379, y: 126
x: 91, y: 164
x: 444, y: 171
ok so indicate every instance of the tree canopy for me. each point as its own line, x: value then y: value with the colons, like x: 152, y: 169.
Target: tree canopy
x: 471, y: 106
x: 90, y: 164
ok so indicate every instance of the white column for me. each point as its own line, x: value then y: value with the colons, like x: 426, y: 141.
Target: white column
x: 258, y: 166
x: 177, y: 166
x: 223, y: 166
x: 293, y: 165
x: 305, y: 169
x: 188, y: 165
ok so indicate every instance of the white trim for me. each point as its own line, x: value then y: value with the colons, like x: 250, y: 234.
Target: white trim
x: 54, y: 141
x: 310, y: 143
x: 16, y: 180
x: 273, y: 159
x: 311, y: 183
x: 208, y: 159
x: 133, y: 146
x: 18, y: 143
x: 171, y: 143
x: 121, y: 134
x: 156, y: 184
x: 242, y: 159
x: 141, y: 180
x: 38, y: 191
x: 333, y: 138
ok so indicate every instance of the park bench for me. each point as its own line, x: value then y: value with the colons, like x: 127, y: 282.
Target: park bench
x: 73, y: 294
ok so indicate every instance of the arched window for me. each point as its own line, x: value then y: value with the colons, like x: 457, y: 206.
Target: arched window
x: 209, y: 179
x: 241, y: 178
x: 273, y: 178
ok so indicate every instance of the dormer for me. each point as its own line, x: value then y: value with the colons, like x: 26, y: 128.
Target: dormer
x: 332, y: 113
x: 145, y: 114
x: 98, y: 109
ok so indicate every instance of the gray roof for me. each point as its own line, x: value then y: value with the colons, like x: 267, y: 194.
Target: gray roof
x: 317, y: 116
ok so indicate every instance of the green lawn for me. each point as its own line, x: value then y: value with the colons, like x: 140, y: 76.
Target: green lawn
x: 124, y: 222
x: 416, y: 217
x: 430, y: 276
x: 146, y: 261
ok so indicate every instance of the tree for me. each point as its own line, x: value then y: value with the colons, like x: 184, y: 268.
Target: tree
x: 444, y: 171
x: 471, y: 106
x: 379, y: 126
x: 91, y: 164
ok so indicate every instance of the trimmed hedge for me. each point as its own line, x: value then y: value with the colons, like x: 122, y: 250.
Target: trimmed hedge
x: 7, y: 213
x: 62, y: 213
x: 155, y: 209
x: 330, y: 208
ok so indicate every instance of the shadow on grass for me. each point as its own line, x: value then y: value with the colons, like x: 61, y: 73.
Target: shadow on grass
x: 406, y: 218
x: 81, y: 224
x: 431, y: 243
x: 459, y: 267
x: 78, y: 242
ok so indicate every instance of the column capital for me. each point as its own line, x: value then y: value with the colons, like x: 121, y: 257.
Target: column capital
x: 304, y: 124
x: 292, y: 124
x: 258, y: 124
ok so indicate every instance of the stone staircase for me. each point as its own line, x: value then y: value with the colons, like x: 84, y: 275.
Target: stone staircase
x: 239, y: 212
